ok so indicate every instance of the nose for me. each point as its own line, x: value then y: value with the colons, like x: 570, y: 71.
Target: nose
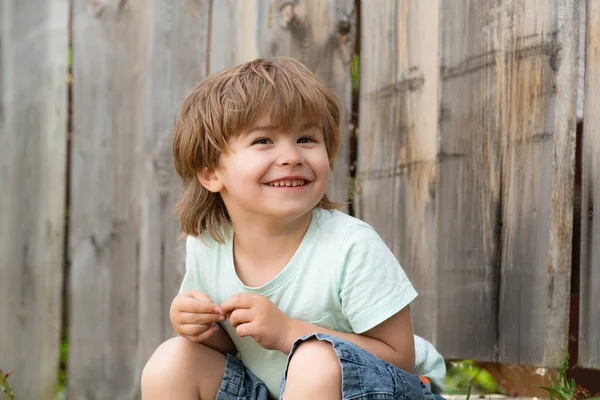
x: 289, y: 155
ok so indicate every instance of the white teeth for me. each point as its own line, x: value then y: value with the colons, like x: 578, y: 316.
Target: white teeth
x: 288, y: 183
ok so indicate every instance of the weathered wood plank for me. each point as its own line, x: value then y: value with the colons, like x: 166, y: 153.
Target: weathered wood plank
x: 320, y: 34
x: 178, y: 46
x: 33, y: 117
x: 235, y: 34
x: 110, y: 64
x: 397, y: 164
x: 468, y: 192
x: 589, y: 311
x: 539, y: 39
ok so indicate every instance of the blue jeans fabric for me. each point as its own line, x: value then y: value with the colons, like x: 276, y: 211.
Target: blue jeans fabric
x: 364, y: 377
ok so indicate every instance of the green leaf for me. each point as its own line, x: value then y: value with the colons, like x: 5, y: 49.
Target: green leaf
x: 469, y: 390
x: 561, y: 395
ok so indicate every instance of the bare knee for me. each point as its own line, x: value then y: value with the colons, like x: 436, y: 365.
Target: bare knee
x: 314, y: 367
x: 315, y: 357
x: 166, y: 357
x: 168, y: 362
x: 179, y: 366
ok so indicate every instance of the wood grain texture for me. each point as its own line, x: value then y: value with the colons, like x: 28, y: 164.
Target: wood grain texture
x: 33, y: 129
x: 238, y: 28
x: 397, y: 158
x: 311, y: 31
x: 541, y: 49
x: 178, y: 46
x: 589, y: 309
x: 110, y: 75
x: 468, y: 193
x: 481, y: 204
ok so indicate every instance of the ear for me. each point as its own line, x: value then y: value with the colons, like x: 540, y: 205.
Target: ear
x: 210, y: 180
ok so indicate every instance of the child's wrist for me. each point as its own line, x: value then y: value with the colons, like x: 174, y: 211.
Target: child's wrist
x: 290, y: 336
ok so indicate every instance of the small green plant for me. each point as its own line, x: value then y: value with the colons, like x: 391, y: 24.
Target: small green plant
x: 469, y: 389
x: 464, y: 377
x: 565, y: 389
x: 4, y: 385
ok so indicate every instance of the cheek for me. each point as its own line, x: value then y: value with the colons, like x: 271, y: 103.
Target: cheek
x: 322, y: 162
x: 245, y: 171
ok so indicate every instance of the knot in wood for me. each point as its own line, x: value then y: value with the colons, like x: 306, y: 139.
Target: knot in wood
x: 287, y: 13
x: 97, y: 8
x: 343, y: 27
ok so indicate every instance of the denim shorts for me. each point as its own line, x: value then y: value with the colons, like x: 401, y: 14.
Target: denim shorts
x: 364, y: 377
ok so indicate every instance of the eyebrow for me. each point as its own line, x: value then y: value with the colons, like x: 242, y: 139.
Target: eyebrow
x: 262, y: 128
x: 273, y: 127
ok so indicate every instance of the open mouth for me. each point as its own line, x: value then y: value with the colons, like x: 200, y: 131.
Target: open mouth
x: 289, y: 183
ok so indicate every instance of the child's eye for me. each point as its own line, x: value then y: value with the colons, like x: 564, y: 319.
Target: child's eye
x: 262, y: 141
x: 306, y: 139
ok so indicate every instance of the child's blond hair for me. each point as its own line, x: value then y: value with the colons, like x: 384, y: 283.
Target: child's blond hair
x: 228, y: 103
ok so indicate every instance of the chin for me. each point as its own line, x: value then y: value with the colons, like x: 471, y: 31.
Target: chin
x: 289, y: 212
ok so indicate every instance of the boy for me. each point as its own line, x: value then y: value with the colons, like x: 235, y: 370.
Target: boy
x: 273, y: 272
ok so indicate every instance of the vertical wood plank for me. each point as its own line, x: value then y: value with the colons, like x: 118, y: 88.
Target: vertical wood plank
x: 589, y: 311
x: 235, y: 35
x: 243, y: 30
x: 178, y: 58
x: 311, y: 31
x: 110, y: 65
x: 397, y: 148
x: 500, y: 193
x: 468, y: 193
x: 34, y: 41
x: 537, y: 179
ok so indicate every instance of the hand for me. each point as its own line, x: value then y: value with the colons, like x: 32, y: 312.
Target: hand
x: 256, y: 316
x: 194, y: 316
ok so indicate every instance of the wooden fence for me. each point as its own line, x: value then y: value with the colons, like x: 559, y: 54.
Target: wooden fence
x: 466, y: 160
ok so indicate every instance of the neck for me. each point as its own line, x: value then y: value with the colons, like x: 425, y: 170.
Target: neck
x: 264, y: 241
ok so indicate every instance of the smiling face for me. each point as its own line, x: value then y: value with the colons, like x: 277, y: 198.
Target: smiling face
x: 271, y: 172
x: 283, y: 174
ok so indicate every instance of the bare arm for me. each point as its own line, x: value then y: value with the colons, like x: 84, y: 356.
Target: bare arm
x: 392, y: 340
x: 256, y: 316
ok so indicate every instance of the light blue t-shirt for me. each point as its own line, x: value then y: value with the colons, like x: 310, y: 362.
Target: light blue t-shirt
x: 342, y: 277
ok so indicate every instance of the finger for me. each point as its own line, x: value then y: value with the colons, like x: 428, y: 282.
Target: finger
x: 247, y: 329
x: 198, y: 295
x: 240, y: 300
x: 241, y: 316
x: 192, y: 305
x: 187, y: 318
x: 204, y: 336
x: 192, y: 330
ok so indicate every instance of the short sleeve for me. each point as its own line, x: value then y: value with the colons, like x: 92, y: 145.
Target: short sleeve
x: 372, y: 285
x: 190, y: 280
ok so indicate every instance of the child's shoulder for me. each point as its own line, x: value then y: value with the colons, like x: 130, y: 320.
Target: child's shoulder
x: 334, y: 223
x: 335, y: 219
x: 205, y: 242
